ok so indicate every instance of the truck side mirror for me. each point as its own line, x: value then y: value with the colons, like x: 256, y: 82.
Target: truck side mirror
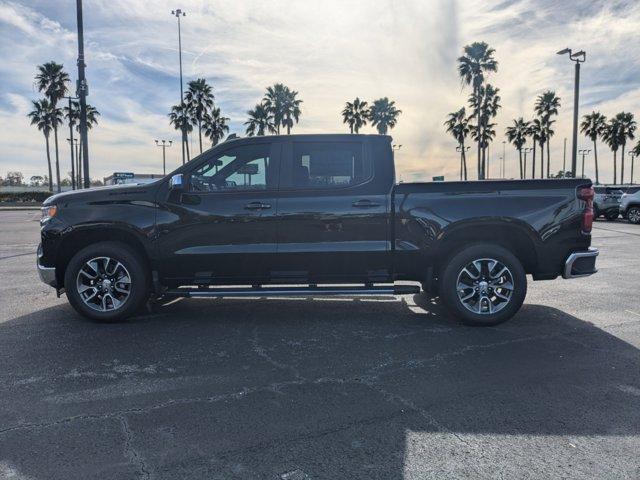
x: 177, y: 182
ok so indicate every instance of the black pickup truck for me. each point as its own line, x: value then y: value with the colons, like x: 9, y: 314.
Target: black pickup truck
x: 306, y: 215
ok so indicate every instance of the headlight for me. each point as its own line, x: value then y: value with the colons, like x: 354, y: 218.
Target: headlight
x: 48, y: 212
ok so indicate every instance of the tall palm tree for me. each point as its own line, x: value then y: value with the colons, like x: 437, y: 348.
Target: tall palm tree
x: 458, y: 126
x: 487, y: 99
x: 487, y: 134
x: 199, y: 99
x: 635, y: 152
x: 72, y: 115
x: 181, y: 120
x: 593, y: 126
x: 40, y: 117
x: 611, y: 136
x: 215, y: 126
x: 260, y: 121
x: 546, y: 106
x: 291, y: 109
x: 535, y: 131
x: 627, y: 129
x: 274, y: 100
x: 355, y: 114
x: 384, y: 115
x: 52, y: 80
x: 517, y: 134
x: 476, y: 62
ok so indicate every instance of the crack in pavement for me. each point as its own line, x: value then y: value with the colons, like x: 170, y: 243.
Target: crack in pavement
x: 135, y: 458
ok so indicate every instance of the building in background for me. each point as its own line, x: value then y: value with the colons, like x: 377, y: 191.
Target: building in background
x: 121, y: 178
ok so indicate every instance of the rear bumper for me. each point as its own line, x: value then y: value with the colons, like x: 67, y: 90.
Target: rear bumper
x: 580, y: 264
x: 47, y: 274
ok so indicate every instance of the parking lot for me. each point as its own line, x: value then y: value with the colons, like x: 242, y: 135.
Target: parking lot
x: 322, y: 388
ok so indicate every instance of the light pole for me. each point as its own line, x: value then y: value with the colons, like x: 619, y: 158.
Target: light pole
x: 179, y: 13
x: 584, y: 153
x: 463, y: 163
x: 578, y: 58
x: 71, y: 119
x: 524, y: 167
x: 82, y: 90
x: 504, y: 156
x: 396, y: 147
x: 633, y: 157
x: 164, y: 145
x: 564, y: 157
x: 73, y: 142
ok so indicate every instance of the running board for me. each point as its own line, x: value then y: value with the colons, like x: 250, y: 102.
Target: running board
x: 293, y: 291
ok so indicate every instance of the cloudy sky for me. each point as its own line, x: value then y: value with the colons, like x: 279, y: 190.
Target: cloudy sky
x: 330, y: 51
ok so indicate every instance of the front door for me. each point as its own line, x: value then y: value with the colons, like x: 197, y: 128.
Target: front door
x: 222, y: 228
x: 333, y: 215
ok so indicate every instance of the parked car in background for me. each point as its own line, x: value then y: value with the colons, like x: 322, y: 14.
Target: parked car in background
x: 630, y: 204
x: 607, y: 202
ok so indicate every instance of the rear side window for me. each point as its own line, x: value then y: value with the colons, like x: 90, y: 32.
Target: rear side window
x: 329, y: 165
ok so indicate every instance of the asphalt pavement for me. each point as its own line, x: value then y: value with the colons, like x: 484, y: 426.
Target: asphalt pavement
x: 380, y: 388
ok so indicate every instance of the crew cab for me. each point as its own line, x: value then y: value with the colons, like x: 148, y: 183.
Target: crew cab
x: 306, y: 215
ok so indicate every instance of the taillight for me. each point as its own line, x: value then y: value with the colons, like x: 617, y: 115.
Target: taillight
x: 586, y: 194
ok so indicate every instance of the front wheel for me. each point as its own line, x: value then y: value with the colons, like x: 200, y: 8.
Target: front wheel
x: 633, y: 215
x: 106, y: 282
x: 483, y: 285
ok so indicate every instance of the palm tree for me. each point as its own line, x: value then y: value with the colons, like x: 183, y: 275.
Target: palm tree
x: 634, y: 153
x: 535, y: 131
x: 73, y: 120
x: 40, y: 117
x: 215, y: 126
x: 355, y: 114
x: 487, y: 134
x: 475, y: 63
x: 260, y: 121
x: 181, y: 120
x: 547, y: 105
x: 517, y: 134
x: 458, y: 125
x: 487, y: 99
x: 384, y: 115
x: 290, y: 109
x: 199, y: 100
x: 593, y: 126
x: 52, y: 80
x: 627, y: 129
x: 611, y: 136
x: 274, y: 101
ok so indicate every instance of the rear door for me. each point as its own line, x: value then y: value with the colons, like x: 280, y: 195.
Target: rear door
x: 333, y: 213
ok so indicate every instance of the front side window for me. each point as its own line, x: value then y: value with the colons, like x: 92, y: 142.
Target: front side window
x: 242, y: 168
x: 329, y: 165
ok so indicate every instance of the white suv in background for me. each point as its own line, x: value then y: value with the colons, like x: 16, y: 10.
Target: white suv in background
x: 630, y: 204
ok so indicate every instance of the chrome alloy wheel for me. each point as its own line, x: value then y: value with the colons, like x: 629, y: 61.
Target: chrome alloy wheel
x: 104, y: 284
x: 634, y: 215
x: 485, y: 286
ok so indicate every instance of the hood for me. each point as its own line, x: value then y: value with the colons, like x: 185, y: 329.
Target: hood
x: 97, y: 193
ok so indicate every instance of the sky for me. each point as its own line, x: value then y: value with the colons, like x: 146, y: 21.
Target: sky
x: 329, y: 51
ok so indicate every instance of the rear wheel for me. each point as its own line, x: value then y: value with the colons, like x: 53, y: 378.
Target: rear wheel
x: 106, y: 282
x: 483, y: 285
x: 633, y: 215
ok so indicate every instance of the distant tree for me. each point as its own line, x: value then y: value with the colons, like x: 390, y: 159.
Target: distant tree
x: 546, y: 106
x: 181, y: 121
x: 635, y: 152
x: 475, y: 63
x: 260, y: 121
x: 14, y: 179
x: 627, y: 129
x: 611, y: 136
x: 215, y: 126
x: 95, y: 182
x: 283, y: 105
x: 199, y: 99
x: 384, y: 115
x: 593, y: 126
x: 355, y: 114
x: 487, y: 99
x: 72, y: 115
x: 41, y: 117
x: 291, y: 109
x: 36, y: 180
x: 458, y: 126
x: 517, y: 135
x: 52, y: 80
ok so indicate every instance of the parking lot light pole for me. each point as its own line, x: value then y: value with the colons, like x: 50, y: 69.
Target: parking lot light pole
x: 584, y: 153
x: 73, y: 168
x: 164, y: 144
x: 578, y: 58
x: 459, y: 150
x: 524, y: 166
x: 82, y: 91
x: 633, y: 157
x: 179, y: 13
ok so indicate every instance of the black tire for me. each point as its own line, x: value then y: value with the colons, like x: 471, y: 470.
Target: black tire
x: 633, y: 214
x: 596, y: 212
x: 460, y: 260
x: 612, y: 215
x: 138, y: 288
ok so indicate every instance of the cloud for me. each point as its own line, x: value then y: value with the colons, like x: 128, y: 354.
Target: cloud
x: 330, y: 52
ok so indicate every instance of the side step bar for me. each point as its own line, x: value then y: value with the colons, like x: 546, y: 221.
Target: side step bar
x: 292, y: 291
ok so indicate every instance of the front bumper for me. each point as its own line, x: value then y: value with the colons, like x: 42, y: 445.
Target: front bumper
x: 47, y: 274
x: 581, y: 264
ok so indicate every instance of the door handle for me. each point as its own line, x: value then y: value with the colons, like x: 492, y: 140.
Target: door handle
x: 257, y: 206
x: 365, y: 204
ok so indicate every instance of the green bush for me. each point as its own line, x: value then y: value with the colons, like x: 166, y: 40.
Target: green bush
x: 24, y: 197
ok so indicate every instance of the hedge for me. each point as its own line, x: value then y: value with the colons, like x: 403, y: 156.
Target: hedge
x: 20, y: 197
